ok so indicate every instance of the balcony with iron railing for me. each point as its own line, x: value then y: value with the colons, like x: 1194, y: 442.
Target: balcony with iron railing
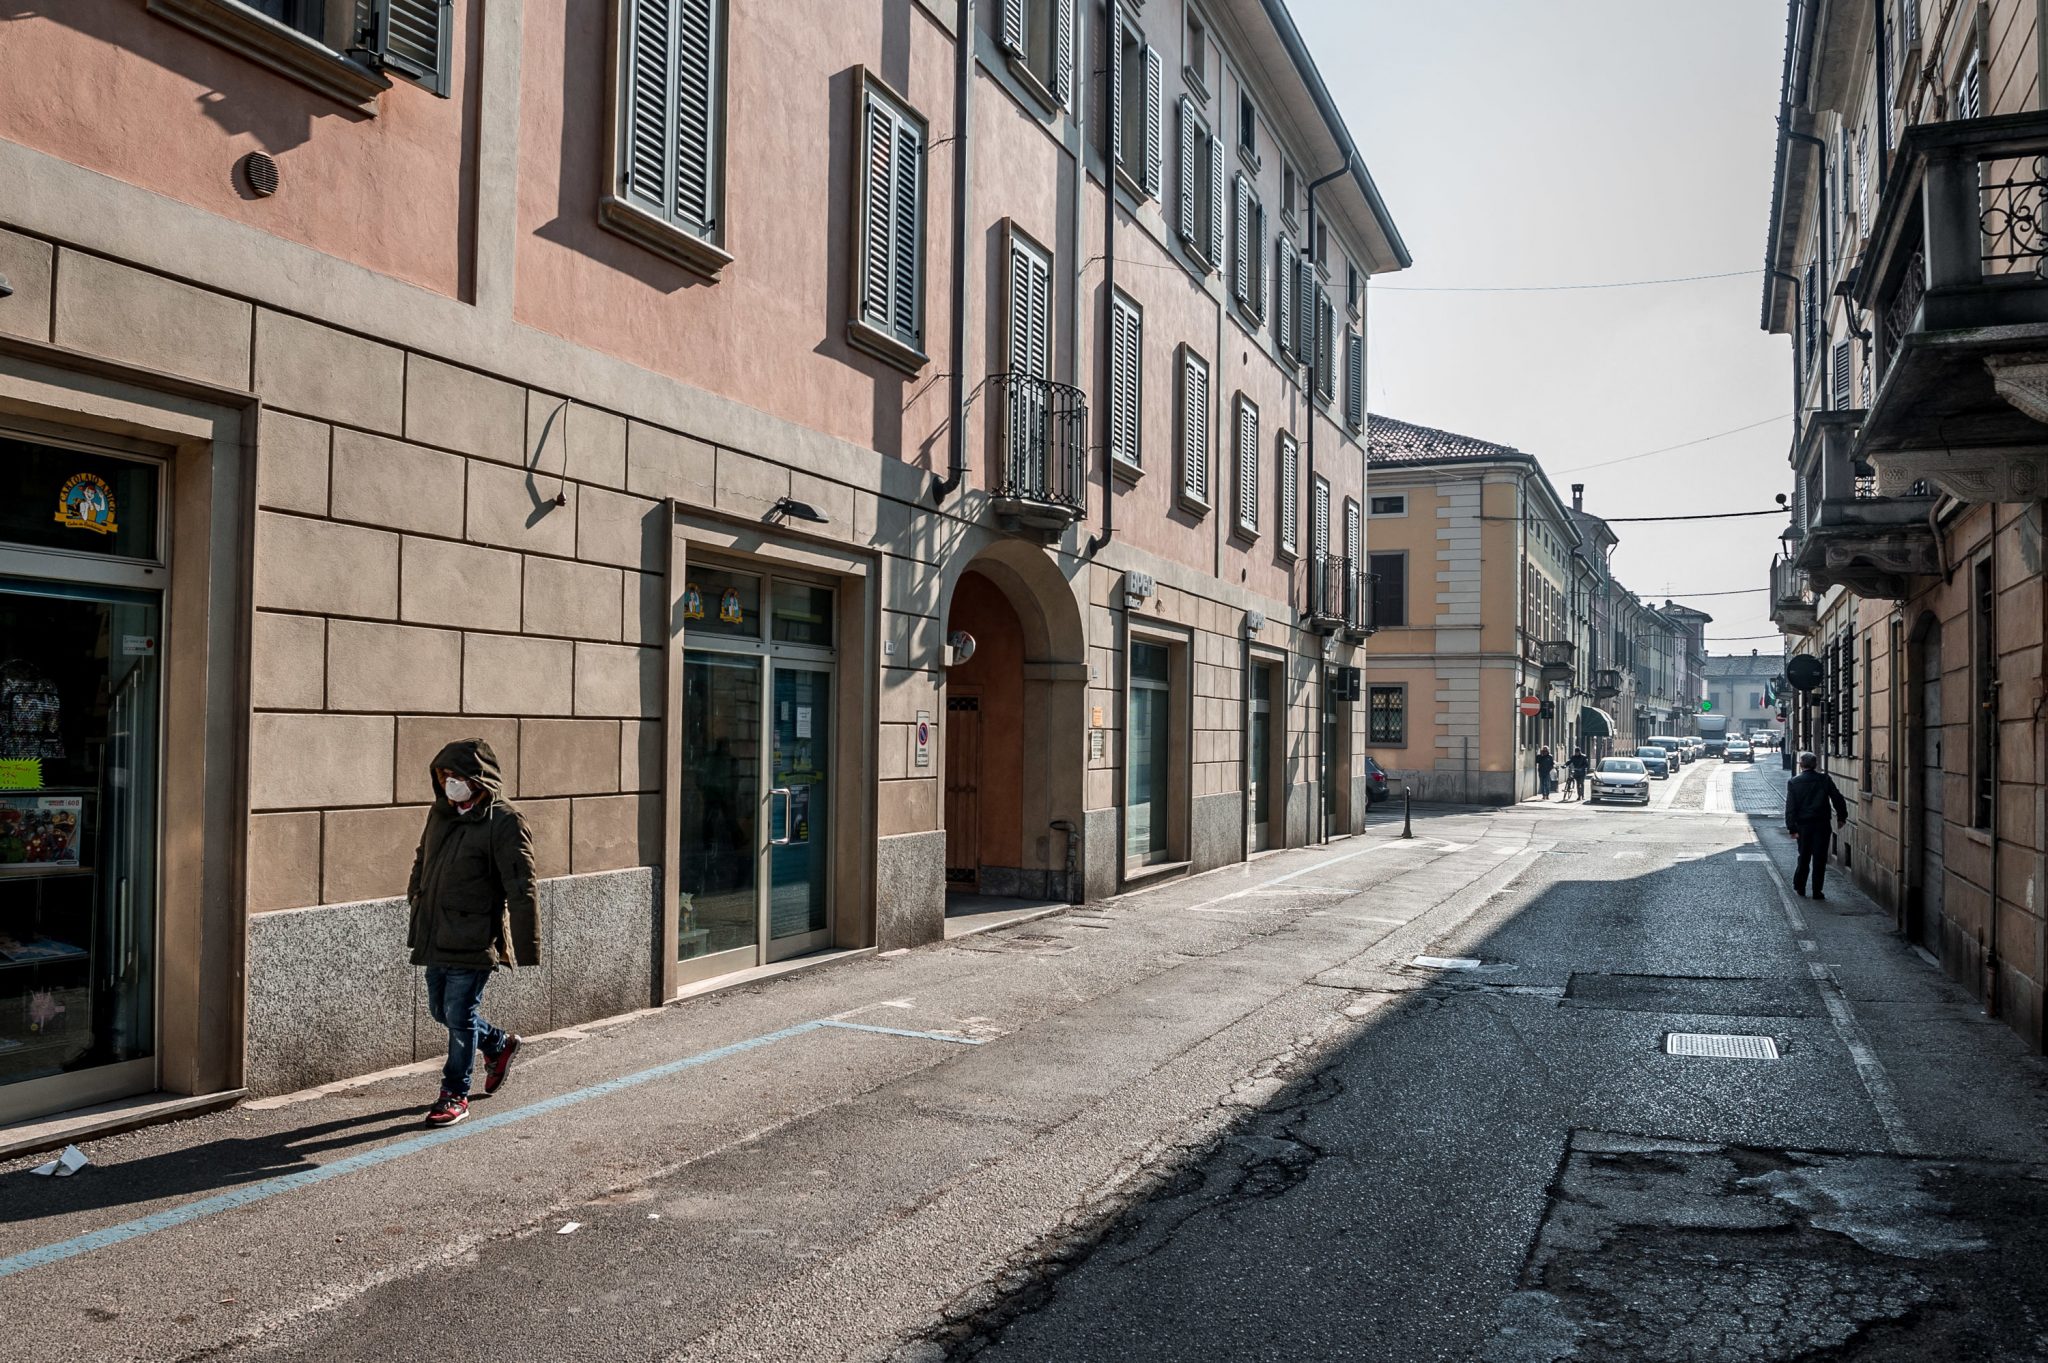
x: 1849, y: 533
x: 1332, y: 592
x: 1606, y: 683
x: 1361, y: 620
x: 1793, y: 607
x: 1558, y: 658
x: 1953, y: 290
x: 1042, y: 431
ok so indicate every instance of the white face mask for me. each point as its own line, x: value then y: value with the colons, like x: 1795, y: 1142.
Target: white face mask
x: 459, y: 791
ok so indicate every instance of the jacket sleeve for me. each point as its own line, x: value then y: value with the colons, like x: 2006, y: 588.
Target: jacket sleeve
x: 512, y: 845
x: 1841, y: 805
x: 412, y: 888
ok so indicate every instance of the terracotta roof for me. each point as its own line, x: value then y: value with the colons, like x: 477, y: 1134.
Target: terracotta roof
x: 1389, y: 441
x: 1745, y: 665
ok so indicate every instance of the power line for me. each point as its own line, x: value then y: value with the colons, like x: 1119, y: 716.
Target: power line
x: 1557, y: 288
x: 1739, y: 591
x: 1740, y: 638
x: 1685, y: 445
x: 1701, y: 516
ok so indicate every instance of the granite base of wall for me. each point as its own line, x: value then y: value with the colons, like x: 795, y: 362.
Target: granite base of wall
x: 1361, y: 802
x: 1023, y: 882
x: 333, y: 994
x: 1457, y: 787
x: 1301, y: 808
x: 910, y: 890
x: 1101, y: 853
x: 1216, y: 836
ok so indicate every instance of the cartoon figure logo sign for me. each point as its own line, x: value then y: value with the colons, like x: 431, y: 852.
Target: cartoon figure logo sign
x: 85, y: 502
x: 729, y: 608
x: 693, y: 602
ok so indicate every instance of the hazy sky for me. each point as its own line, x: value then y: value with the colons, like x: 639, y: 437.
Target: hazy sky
x: 1544, y: 142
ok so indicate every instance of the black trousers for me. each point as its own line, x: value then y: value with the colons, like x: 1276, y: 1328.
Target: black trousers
x: 1814, y: 842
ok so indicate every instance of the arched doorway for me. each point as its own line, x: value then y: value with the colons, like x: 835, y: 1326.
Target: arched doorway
x: 1016, y: 731
x: 1926, y: 823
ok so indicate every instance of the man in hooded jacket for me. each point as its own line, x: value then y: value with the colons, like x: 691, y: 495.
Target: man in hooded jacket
x: 474, y: 910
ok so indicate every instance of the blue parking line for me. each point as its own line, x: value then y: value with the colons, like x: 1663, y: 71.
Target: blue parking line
x: 306, y: 1178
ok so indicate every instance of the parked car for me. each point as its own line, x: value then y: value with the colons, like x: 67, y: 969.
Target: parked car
x: 1620, y: 778
x: 1739, y: 751
x: 1376, y: 788
x: 1656, y: 760
x: 1673, y: 745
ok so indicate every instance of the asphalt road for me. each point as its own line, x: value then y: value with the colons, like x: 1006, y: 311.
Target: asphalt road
x: 1232, y: 1117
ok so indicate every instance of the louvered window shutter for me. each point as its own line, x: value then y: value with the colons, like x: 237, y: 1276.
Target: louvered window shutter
x: 1354, y: 535
x: 1215, y: 242
x: 1283, y: 291
x: 891, y: 222
x: 1304, y: 310
x: 1326, y: 341
x: 1842, y: 360
x: 1354, y: 379
x: 1194, y: 428
x: 1319, y: 519
x: 1113, y: 116
x: 906, y: 293
x: 1127, y: 337
x: 1241, y: 225
x: 645, y: 71
x: 1256, y: 294
x: 1290, y: 492
x: 1030, y: 305
x: 1155, y: 150
x: 878, y: 221
x: 1247, y: 465
x: 409, y: 38
x: 1970, y: 95
x: 1863, y: 178
x: 1013, y: 26
x: 696, y: 106
x: 1063, y: 52
x: 1187, y: 171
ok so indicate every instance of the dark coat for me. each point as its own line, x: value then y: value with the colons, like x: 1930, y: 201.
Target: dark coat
x: 472, y: 891
x: 1807, y: 798
x: 1544, y: 762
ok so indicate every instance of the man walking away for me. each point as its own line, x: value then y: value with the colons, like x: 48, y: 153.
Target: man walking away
x: 1578, y: 765
x: 474, y: 910
x: 1546, y: 765
x: 1808, y: 797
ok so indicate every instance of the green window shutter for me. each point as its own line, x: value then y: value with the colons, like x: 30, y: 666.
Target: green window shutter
x: 1187, y: 171
x: 669, y: 122
x: 645, y: 73
x: 413, y: 39
x: 906, y: 295
x: 878, y: 183
x: 1155, y: 151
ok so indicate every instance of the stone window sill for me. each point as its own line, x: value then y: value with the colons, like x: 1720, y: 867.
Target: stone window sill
x: 284, y: 50
x: 884, y: 347
x: 1195, y: 506
x: 1020, y: 67
x: 665, y: 239
x: 1247, y: 533
x: 1125, y: 470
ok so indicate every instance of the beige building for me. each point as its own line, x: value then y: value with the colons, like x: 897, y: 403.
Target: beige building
x: 1906, y: 267
x: 836, y: 453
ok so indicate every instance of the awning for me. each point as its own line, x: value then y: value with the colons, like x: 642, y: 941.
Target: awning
x: 1595, y: 723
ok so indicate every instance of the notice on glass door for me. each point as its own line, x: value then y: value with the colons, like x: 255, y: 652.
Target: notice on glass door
x: 803, y: 721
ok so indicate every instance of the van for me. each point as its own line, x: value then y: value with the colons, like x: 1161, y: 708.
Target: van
x: 1676, y: 746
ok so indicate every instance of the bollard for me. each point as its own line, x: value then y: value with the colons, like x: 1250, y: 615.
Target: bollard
x: 1407, y: 815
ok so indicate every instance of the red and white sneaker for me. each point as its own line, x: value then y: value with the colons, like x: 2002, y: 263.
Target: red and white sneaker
x: 495, y: 1066
x: 452, y: 1108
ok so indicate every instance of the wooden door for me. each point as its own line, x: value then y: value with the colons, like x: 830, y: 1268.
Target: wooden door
x: 963, y: 790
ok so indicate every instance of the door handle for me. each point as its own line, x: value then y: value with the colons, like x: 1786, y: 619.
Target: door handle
x: 788, y: 809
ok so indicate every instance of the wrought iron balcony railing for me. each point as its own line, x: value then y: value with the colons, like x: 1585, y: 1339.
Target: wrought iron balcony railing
x: 1331, y: 591
x: 1606, y: 682
x: 1360, y: 613
x: 1850, y: 533
x: 1792, y: 599
x: 1043, y: 428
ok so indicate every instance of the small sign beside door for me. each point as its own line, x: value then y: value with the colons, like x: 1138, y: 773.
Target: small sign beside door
x: 924, y: 738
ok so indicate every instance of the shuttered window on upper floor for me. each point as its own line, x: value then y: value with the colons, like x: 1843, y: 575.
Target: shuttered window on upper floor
x: 1192, y: 430
x: 1126, y: 380
x: 1027, y: 309
x: 1970, y: 89
x: 1136, y: 75
x: 1200, y: 174
x: 1286, y: 266
x: 1354, y: 379
x: 889, y: 228
x: 1306, y: 292
x: 1038, y: 38
x: 409, y: 38
x: 1319, y: 518
x: 670, y: 138
x: 1843, y: 361
x: 1326, y: 346
x: 1246, y: 460
x: 1248, y: 248
x: 1290, y: 493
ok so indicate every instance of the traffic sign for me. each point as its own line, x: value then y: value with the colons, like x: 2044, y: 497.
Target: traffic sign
x: 1532, y: 706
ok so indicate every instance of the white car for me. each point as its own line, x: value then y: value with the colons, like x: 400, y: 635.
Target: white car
x: 1739, y: 751
x: 1620, y: 778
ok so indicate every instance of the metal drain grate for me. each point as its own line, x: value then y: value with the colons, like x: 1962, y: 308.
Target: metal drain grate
x: 1721, y: 1045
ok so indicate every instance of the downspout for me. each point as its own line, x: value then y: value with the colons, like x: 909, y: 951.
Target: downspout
x: 1328, y: 763
x: 1827, y: 226
x: 1884, y: 85
x: 963, y: 143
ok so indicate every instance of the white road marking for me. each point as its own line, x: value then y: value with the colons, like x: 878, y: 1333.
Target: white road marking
x: 1282, y: 879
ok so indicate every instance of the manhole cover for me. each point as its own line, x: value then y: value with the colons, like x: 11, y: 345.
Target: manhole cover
x: 1447, y: 962
x: 1721, y: 1045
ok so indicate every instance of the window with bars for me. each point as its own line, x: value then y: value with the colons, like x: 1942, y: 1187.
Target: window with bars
x: 1247, y: 466
x: 1248, y: 242
x: 889, y: 219
x: 1290, y: 493
x: 1201, y: 186
x: 1135, y: 131
x: 1193, y: 430
x: 1387, y: 716
x: 1390, y: 589
x: 1126, y: 380
x: 1038, y: 38
x: 669, y: 188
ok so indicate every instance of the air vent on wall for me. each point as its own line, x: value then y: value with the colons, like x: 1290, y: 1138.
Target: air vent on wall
x: 260, y: 171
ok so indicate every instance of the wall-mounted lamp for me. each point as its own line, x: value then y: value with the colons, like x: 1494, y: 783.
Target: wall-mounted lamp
x: 790, y: 509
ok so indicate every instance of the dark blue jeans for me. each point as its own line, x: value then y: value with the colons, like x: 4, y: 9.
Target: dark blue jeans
x: 452, y: 999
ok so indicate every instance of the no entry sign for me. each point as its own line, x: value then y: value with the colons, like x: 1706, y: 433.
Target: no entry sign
x: 1531, y: 706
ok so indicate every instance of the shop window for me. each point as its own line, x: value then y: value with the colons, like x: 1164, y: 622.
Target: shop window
x: 56, y: 497
x: 1152, y: 756
x: 718, y: 601
x: 802, y: 614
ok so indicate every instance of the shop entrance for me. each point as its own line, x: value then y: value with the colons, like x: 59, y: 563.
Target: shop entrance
x: 1265, y: 796
x: 757, y: 770
x: 79, y: 719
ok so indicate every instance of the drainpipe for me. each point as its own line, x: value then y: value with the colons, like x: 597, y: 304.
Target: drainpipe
x: 1309, y: 393
x: 1827, y: 244
x: 963, y: 142
x: 1884, y: 85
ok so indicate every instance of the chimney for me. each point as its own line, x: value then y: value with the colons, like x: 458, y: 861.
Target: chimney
x: 1578, y: 496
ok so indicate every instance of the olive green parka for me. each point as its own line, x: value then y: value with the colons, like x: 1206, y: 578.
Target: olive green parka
x: 474, y: 905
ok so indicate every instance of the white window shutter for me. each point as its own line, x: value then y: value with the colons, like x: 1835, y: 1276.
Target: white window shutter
x: 1970, y: 95
x: 1241, y: 225
x: 696, y: 105
x: 1013, y: 27
x: 410, y: 38
x: 1155, y: 150
x: 1841, y: 375
x: 1247, y: 465
x: 1113, y: 116
x: 645, y: 146
x: 1194, y: 428
x: 1030, y: 312
x: 1187, y: 171
x: 1354, y: 535
x: 1215, y: 242
x: 1305, y: 309
x: 1063, y: 51
x: 1290, y: 492
x: 878, y: 219
x: 1354, y: 379
x: 1319, y: 518
x: 1126, y: 338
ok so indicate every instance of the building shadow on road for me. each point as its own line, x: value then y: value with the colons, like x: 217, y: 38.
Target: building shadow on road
x: 213, y: 1167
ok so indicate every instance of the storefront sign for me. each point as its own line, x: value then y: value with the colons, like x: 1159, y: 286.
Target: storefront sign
x: 924, y: 738
x: 729, y: 609
x: 693, y: 602
x: 21, y: 773
x: 86, y: 502
x: 40, y: 830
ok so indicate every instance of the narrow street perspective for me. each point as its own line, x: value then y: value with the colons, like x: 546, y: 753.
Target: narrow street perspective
x: 930, y: 680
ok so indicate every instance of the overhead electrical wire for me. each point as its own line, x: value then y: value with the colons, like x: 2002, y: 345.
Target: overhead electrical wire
x: 1698, y: 516
x: 1557, y: 288
x: 1683, y: 445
